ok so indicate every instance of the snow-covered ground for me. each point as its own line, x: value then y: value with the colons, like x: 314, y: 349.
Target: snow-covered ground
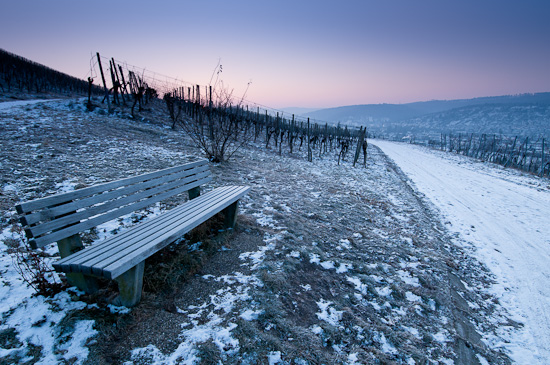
x: 504, y: 216
x: 19, y: 103
x: 329, y: 263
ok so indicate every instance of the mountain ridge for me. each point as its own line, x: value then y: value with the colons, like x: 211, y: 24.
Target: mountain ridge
x: 395, y: 112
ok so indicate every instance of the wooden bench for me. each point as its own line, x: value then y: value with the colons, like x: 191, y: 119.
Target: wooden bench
x: 60, y: 218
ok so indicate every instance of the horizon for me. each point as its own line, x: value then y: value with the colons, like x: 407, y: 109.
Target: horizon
x: 317, y: 57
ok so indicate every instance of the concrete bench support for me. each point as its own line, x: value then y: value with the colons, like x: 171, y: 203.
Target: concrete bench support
x: 231, y: 213
x: 68, y: 246
x: 129, y: 286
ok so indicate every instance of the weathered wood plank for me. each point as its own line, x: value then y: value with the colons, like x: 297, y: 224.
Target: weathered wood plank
x: 134, y: 257
x: 144, y: 237
x: 56, y: 211
x: 78, y: 194
x: 119, y: 254
x: 87, y: 224
x: 122, y: 239
x: 112, y: 204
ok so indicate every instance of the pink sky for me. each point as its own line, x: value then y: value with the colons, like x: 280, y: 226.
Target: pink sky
x: 298, y: 53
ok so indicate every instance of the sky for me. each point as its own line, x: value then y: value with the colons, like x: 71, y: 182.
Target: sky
x: 291, y: 53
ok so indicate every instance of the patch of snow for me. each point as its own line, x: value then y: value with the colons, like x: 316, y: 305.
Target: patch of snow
x: 328, y: 313
x: 407, y: 278
x: 412, y: 297
x: 250, y: 315
x: 386, y: 346
x: 343, y: 268
x: 314, y: 258
x: 317, y: 329
x: 384, y: 291
x: 274, y: 357
x: 306, y: 287
x: 413, y: 331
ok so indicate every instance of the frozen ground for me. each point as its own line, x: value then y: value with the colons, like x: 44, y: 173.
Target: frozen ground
x: 504, y: 218
x: 329, y: 264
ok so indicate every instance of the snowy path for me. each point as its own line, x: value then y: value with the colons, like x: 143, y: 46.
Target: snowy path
x: 12, y: 104
x: 506, y: 218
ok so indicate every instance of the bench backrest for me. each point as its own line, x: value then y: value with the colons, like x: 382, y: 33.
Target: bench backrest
x: 56, y: 217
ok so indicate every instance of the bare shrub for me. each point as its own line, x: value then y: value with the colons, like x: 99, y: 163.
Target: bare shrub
x: 218, y: 132
x: 32, y: 267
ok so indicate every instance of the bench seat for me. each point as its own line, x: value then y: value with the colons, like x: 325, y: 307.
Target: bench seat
x: 113, y: 257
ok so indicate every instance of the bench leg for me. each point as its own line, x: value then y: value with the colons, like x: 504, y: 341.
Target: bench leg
x: 231, y: 215
x: 194, y: 193
x: 68, y: 246
x: 130, y: 285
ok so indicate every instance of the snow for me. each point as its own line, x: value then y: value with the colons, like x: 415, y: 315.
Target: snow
x: 36, y: 319
x: 19, y: 103
x: 274, y: 357
x: 328, y: 313
x: 502, y: 216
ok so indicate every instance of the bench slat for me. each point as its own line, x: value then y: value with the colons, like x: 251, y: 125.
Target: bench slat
x: 56, y: 211
x: 110, y: 205
x: 98, y: 252
x: 114, y: 257
x: 92, y: 222
x: 78, y: 194
x: 127, y: 260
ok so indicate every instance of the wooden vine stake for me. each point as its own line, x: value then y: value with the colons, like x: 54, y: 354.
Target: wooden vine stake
x: 104, y: 84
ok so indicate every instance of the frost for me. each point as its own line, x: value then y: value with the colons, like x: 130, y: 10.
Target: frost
x: 274, y: 357
x: 384, y: 291
x: 314, y: 258
x: 327, y: 313
x: 250, y: 315
x: 412, y: 297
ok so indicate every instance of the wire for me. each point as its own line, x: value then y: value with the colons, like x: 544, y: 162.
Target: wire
x: 164, y: 84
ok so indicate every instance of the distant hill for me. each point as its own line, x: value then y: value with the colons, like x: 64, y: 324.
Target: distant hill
x: 298, y: 110
x: 524, y: 114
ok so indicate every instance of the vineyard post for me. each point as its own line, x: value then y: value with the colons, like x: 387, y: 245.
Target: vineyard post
x: 113, y: 82
x: 360, y: 137
x: 309, y: 153
x: 118, y: 79
x: 542, y: 160
x: 276, y: 130
x: 104, y: 84
x: 198, y: 95
x: 189, y: 100
x: 291, y: 135
x: 123, y: 80
x: 256, y: 123
x: 266, y: 131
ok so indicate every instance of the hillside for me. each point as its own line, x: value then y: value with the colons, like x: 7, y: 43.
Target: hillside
x: 522, y: 115
x: 21, y: 78
x: 329, y: 263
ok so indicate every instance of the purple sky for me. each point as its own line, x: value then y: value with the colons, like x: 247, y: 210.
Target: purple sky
x: 298, y: 53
